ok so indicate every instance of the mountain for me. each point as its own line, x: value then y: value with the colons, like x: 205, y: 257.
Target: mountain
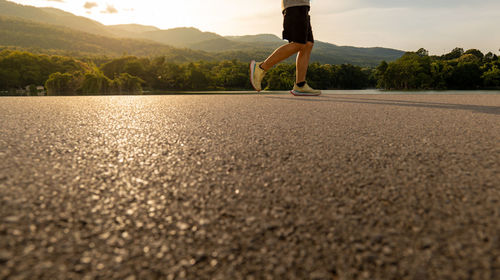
x: 195, y: 39
x: 265, y: 38
x: 182, y: 37
x: 221, y: 45
x: 132, y: 28
x: 150, y: 40
x: 31, y: 35
x: 53, y: 16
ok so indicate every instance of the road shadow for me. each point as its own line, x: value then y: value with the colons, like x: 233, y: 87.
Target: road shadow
x: 182, y: 93
x: 494, y: 110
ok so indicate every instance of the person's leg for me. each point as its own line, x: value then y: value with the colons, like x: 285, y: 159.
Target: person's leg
x: 301, y: 88
x: 302, y: 62
x: 282, y: 53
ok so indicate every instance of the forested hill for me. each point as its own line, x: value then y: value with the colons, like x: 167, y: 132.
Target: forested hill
x: 15, y: 32
x: 195, y: 39
x: 219, y: 47
x: 53, y: 16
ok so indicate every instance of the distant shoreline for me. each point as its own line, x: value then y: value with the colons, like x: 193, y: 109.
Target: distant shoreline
x: 327, y: 92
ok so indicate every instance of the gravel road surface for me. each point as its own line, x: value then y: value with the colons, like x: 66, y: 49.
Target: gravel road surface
x: 250, y: 187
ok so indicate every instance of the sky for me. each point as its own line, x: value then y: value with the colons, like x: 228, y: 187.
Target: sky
x: 436, y: 25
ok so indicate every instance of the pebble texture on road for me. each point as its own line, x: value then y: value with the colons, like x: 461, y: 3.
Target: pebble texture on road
x: 250, y: 187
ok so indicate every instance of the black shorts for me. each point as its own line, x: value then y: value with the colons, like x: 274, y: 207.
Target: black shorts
x: 297, y: 25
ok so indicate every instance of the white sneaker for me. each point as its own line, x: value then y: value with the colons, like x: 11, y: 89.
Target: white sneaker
x: 306, y: 90
x: 256, y: 75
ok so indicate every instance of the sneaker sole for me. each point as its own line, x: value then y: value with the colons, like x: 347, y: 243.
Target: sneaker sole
x: 298, y: 93
x: 252, y: 72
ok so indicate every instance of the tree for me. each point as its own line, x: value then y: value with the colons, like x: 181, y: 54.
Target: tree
x: 423, y: 52
x: 475, y: 52
x: 95, y: 83
x: 20, y: 69
x: 169, y: 76
x: 491, y: 78
x: 9, y: 78
x: 195, y: 78
x: 230, y: 75
x: 351, y: 77
x: 440, y: 72
x: 455, y: 53
x: 489, y: 57
x: 320, y: 76
x: 411, y: 71
x: 62, y: 84
x: 281, y: 77
x: 127, y: 83
x: 379, y: 74
x: 466, y: 75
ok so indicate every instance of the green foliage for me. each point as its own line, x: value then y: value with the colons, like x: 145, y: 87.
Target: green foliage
x: 466, y: 75
x: 128, y: 64
x: 491, y: 78
x: 455, y: 70
x: 92, y: 83
x: 411, y: 71
x: 322, y: 76
x: 62, y: 84
x: 231, y: 74
x: 126, y: 83
x: 130, y: 74
x: 95, y: 83
x: 476, y: 53
x: 423, y: 52
x: 19, y: 69
x: 454, y: 54
x: 351, y: 77
x: 441, y: 72
x: 280, y: 77
x: 168, y: 76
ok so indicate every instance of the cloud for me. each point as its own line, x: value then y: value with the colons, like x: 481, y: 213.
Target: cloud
x: 110, y: 9
x: 439, y: 25
x: 336, y: 7
x: 90, y: 5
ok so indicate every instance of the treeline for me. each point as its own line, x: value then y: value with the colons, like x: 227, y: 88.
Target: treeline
x: 20, y: 69
x: 62, y: 75
x: 160, y: 74
x: 458, y: 69
x: 93, y: 82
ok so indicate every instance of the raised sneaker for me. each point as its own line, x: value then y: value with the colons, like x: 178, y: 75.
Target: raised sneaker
x: 306, y: 90
x: 256, y: 75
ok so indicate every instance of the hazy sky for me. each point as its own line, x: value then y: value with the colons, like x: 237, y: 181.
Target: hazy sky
x: 437, y: 25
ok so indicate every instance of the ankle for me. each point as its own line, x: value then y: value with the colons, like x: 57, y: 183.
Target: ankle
x: 301, y: 84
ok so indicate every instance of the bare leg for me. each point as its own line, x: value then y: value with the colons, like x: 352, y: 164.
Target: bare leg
x: 303, y: 62
x: 281, y: 54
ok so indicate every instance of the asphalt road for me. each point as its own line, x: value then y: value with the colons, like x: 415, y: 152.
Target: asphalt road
x: 250, y: 187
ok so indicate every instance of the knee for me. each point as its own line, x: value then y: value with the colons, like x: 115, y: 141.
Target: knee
x: 309, y: 46
x: 298, y: 46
